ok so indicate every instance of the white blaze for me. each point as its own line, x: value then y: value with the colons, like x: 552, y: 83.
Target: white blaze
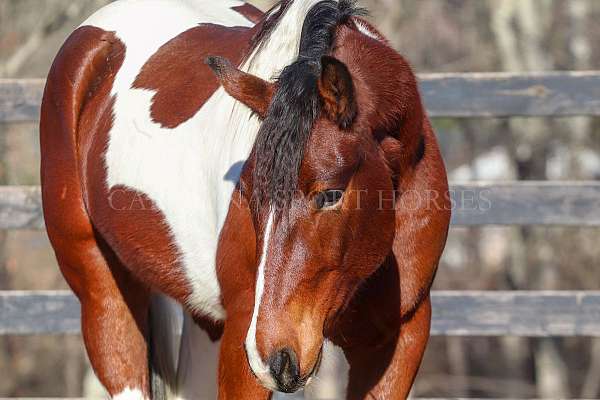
x: 260, y: 369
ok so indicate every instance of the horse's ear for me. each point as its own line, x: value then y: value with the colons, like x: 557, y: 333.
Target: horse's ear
x: 337, y: 92
x: 254, y: 92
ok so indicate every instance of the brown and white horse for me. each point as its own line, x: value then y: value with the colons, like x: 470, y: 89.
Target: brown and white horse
x: 287, y: 191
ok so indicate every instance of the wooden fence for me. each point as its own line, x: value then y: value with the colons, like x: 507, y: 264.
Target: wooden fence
x: 461, y: 313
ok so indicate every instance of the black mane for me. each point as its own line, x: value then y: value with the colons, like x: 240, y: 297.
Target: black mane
x: 280, y: 143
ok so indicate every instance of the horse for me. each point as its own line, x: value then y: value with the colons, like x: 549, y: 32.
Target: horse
x: 273, y: 174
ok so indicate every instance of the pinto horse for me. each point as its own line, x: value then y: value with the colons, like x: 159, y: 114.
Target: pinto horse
x: 276, y: 175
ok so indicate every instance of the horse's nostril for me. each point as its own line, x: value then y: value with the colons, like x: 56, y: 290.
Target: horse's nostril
x: 285, y: 370
x: 281, y: 364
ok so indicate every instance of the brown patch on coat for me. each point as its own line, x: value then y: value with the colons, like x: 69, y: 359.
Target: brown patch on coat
x: 250, y: 12
x: 178, y: 74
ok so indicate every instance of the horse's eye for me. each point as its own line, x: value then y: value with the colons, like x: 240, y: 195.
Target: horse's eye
x: 328, y: 198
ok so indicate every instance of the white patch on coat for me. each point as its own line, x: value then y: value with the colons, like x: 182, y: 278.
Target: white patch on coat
x: 130, y: 394
x: 260, y: 369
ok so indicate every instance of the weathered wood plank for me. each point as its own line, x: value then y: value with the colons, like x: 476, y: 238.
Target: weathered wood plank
x: 21, y: 207
x: 550, y: 94
x: 445, y: 95
x: 516, y: 313
x: 526, y: 203
x: 477, y: 203
x: 38, y: 312
x: 457, y: 313
x: 20, y: 99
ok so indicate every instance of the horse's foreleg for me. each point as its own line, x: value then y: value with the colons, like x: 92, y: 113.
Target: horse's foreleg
x: 113, y: 328
x: 387, y: 371
x: 236, y: 381
x: 114, y: 309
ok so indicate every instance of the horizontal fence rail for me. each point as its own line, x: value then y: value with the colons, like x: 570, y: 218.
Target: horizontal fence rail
x: 20, y: 99
x: 21, y: 207
x: 455, y: 313
x: 527, y: 203
x: 473, y: 204
x: 548, y: 94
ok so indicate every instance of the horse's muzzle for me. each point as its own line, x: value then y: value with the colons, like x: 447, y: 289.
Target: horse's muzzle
x: 286, y: 371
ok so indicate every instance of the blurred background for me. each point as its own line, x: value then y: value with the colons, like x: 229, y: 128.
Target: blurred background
x: 436, y: 36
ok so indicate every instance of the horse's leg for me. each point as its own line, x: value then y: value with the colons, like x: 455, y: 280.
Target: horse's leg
x: 387, y: 371
x: 383, y: 346
x: 114, y: 309
x: 236, y: 381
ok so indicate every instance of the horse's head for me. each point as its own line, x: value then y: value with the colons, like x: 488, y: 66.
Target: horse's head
x: 319, y: 189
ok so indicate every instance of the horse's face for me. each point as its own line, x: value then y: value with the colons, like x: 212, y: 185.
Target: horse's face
x: 335, y: 231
